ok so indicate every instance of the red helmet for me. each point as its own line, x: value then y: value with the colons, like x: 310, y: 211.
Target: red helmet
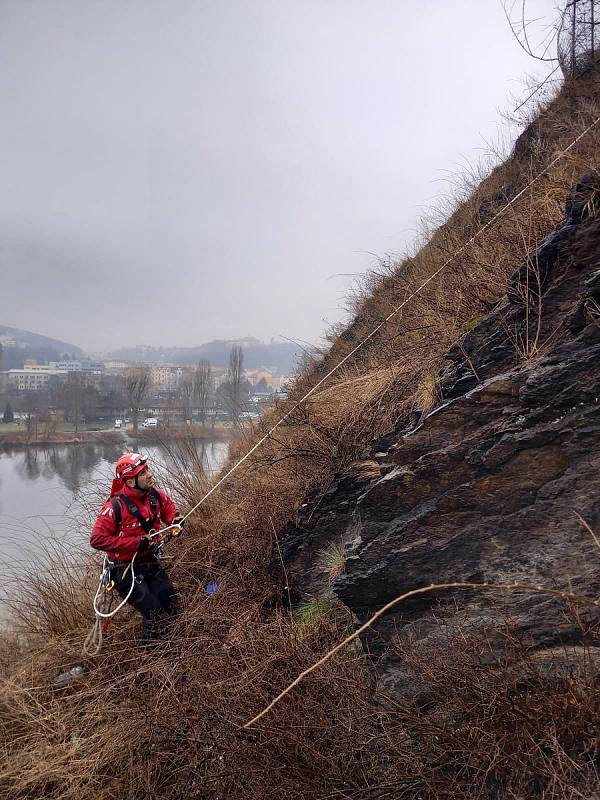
x: 129, y: 465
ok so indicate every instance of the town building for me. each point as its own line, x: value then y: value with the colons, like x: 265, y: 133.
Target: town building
x: 10, y: 342
x: 116, y: 366
x: 83, y: 365
x: 32, y: 377
x: 283, y: 382
x: 256, y: 375
x: 165, y: 376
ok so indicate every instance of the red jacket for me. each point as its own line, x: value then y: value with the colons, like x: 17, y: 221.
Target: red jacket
x: 123, y: 544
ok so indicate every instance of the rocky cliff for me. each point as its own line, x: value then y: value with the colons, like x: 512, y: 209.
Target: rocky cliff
x: 486, y: 485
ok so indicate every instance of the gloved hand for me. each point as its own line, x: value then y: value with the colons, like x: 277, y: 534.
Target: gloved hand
x: 149, y: 543
x: 178, y: 523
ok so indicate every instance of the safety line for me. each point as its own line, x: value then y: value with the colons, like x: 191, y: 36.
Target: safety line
x: 390, y: 315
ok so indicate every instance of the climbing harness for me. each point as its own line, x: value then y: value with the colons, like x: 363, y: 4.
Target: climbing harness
x: 146, y: 524
x: 105, y: 592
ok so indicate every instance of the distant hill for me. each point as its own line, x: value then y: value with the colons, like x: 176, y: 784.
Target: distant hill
x: 281, y: 357
x: 19, y: 345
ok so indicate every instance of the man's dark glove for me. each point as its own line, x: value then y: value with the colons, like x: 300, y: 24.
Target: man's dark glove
x: 151, y: 541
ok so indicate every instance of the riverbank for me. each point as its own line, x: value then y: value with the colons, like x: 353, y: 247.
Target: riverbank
x: 25, y: 439
x: 222, y: 431
x: 219, y: 431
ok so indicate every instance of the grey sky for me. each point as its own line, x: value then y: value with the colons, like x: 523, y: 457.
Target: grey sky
x: 182, y: 170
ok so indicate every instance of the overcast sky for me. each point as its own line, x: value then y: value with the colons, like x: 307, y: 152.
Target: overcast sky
x: 174, y: 171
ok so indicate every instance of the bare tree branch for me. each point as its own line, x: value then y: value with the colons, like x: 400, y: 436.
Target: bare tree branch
x: 519, y: 30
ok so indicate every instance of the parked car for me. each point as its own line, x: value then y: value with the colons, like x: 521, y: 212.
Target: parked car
x: 150, y: 422
x: 118, y: 423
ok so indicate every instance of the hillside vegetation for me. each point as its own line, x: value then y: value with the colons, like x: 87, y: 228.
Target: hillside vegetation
x: 168, y: 724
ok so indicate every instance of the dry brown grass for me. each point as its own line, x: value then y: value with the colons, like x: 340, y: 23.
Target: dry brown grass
x: 496, y: 719
x: 166, y: 724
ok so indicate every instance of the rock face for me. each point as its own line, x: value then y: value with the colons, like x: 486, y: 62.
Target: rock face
x: 488, y: 485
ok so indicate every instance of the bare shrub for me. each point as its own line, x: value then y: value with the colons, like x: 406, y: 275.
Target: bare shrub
x: 493, y: 718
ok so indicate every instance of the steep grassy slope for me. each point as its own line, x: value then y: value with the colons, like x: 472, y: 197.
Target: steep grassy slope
x: 497, y: 483
x: 168, y: 724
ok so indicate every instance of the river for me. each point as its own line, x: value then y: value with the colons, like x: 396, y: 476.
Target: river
x: 49, y: 497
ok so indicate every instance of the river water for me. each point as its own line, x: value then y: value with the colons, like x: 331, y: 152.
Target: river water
x: 49, y: 497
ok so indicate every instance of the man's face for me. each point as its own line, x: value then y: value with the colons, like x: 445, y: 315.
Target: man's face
x: 145, y: 479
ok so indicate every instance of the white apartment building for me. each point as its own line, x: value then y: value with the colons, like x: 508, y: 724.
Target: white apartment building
x: 219, y: 376
x: 116, y: 366
x: 77, y: 366
x: 163, y: 376
x: 32, y: 377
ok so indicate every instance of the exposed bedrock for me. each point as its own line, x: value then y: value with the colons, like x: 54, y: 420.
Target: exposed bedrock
x: 487, y: 486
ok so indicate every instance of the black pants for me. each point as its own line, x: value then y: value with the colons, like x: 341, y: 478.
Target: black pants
x: 153, y: 593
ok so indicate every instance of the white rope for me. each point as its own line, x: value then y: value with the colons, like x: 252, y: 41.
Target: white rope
x: 93, y: 641
x: 389, y: 317
x: 120, y: 606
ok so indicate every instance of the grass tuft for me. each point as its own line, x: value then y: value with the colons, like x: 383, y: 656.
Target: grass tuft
x: 314, y: 613
x: 472, y: 323
x: 427, y: 395
x: 333, y: 559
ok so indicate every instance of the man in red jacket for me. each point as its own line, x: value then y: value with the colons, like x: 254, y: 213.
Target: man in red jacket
x: 134, y: 509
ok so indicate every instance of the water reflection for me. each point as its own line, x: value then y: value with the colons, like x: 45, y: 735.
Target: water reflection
x: 76, y: 466
x: 40, y: 480
x: 73, y: 465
